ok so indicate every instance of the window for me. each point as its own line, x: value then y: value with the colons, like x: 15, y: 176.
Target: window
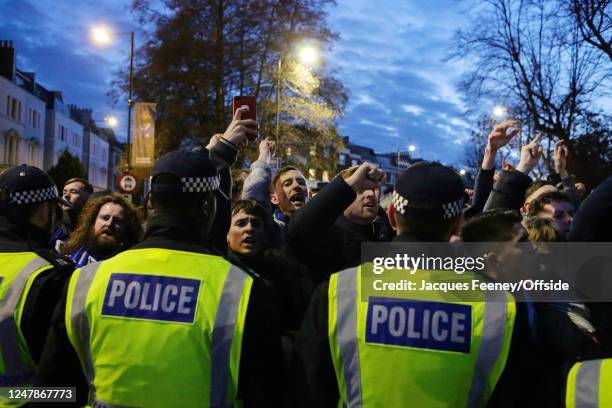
x: 35, y: 119
x: 30, y: 118
x: 62, y: 132
x: 75, y: 139
x: 13, y: 108
x: 342, y: 159
x: 312, y: 174
x: 325, y: 176
x: 33, y: 153
x: 354, y: 162
x: 11, y: 148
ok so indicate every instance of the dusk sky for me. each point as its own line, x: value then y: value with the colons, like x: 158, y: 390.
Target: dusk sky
x: 390, y: 56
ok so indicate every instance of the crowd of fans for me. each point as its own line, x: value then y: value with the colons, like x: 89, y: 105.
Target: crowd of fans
x: 273, y: 227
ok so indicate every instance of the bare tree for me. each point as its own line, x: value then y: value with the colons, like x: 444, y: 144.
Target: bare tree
x: 594, y: 20
x: 528, y: 52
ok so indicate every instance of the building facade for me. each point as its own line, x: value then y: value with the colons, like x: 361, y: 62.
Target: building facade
x: 37, y: 126
x: 22, y: 114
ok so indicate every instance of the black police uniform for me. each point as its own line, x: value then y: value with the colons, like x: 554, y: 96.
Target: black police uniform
x: 23, y: 185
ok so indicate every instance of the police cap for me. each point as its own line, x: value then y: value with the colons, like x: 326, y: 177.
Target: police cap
x: 184, y: 171
x: 21, y: 185
x: 440, y: 187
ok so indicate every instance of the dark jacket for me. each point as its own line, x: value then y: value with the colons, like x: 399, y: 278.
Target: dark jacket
x: 45, y: 291
x: 593, y: 223
x: 482, y: 189
x: 324, y: 239
x: 260, y: 378
x: 509, y: 191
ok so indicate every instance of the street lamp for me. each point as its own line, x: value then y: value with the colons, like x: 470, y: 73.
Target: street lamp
x: 102, y: 36
x: 499, y: 111
x: 308, y: 55
x: 462, y: 172
x: 411, y: 148
x: 111, y: 121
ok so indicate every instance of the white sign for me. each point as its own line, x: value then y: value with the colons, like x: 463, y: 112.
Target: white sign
x: 128, y: 183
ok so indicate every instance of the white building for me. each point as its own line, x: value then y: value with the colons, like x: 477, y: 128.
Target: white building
x: 62, y: 132
x: 22, y: 114
x: 95, y: 148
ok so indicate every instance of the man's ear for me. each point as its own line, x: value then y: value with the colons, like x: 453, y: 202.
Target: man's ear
x: 391, y: 216
x: 274, y: 198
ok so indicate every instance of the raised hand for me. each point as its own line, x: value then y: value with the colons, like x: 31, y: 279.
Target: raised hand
x: 240, y: 131
x: 500, y: 136
x: 267, y: 149
x: 530, y: 155
x: 560, y: 157
x: 367, y: 177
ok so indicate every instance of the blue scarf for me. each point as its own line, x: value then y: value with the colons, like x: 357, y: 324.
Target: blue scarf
x: 82, y: 257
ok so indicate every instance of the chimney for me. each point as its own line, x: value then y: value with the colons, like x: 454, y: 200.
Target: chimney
x: 7, y: 60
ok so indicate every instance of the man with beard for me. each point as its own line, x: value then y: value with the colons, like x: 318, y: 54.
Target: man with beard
x: 327, y: 233
x: 287, y: 191
x: 31, y: 274
x: 108, y: 225
x: 76, y: 192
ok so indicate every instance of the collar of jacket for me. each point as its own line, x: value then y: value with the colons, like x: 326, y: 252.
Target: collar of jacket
x: 164, y: 226
x: 24, y: 232
x: 366, y: 230
x: 280, y: 217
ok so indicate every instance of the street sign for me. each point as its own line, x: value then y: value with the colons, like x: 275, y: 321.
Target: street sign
x: 128, y: 183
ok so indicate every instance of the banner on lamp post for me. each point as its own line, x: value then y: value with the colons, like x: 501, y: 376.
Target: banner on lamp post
x: 143, y: 151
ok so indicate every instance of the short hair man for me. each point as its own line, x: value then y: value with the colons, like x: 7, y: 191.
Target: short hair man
x: 556, y: 206
x: 107, y: 225
x: 76, y: 192
x: 327, y: 233
x: 247, y: 233
x: 289, y: 193
x: 288, y: 190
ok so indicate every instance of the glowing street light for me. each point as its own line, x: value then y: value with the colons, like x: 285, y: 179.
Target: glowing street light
x: 111, y: 121
x: 308, y: 55
x: 411, y: 148
x: 499, y: 111
x: 462, y: 172
x: 102, y: 36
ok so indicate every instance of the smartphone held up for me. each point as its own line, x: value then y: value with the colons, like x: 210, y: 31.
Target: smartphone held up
x: 249, y: 101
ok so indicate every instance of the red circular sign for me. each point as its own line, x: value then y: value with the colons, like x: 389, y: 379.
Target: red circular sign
x: 128, y: 183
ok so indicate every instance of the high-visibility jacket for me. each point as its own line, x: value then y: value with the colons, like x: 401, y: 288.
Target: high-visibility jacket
x: 417, y: 349
x: 18, y: 270
x: 156, y: 327
x: 589, y: 384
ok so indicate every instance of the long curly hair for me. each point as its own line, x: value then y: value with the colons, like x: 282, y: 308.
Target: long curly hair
x: 87, y: 220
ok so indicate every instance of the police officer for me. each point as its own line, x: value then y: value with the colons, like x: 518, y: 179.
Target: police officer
x: 588, y: 384
x: 411, y: 349
x: 169, y: 322
x: 28, y: 270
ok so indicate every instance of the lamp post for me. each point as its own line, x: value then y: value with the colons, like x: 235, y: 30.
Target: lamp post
x: 308, y: 55
x: 102, y: 36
